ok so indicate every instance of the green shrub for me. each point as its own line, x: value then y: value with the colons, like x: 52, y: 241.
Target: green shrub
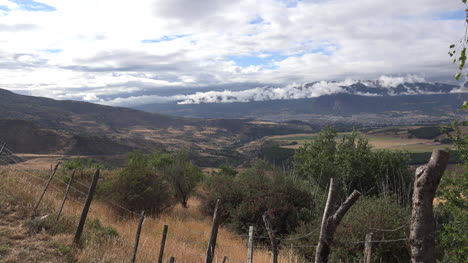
x: 352, y: 160
x: 179, y: 171
x: 429, y: 133
x: 452, y: 212
x: 95, y: 231
x: 245, y: 197
x: 139, y: 186
x: 367, y: 215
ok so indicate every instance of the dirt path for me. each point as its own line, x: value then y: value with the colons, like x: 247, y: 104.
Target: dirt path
x: 17, y: 245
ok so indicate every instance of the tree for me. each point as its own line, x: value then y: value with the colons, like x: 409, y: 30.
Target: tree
x: 179, y: 171
x: 184, y: 177
x: 453, y: 208
x: 352, y: 160
x: 458, y: 53
x: 140, y: 187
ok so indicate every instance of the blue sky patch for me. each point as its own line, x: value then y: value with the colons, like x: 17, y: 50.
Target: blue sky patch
x: 30, y: 5
x: 256, y: 60
x: 454, y: 15
x: 257, y: 20
x: 163, y: 39
x: 52, y: 50
x: 4, y: 8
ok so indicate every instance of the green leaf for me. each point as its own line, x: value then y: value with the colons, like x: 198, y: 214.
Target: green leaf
x: 465, y: 105
x: 464, y: 1
x: 457, y: 77
x: 452, y: 46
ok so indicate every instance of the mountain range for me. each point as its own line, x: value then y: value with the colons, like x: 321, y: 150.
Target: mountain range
x: 362, y: 102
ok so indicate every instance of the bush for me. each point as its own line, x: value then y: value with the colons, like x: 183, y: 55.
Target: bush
x: 426, y: 132
x: 452, y: 212
x: 245, y: 197
x: 139, y: 186
x: 179, y: 171
x: 352, y: 160
x: 367, y: 215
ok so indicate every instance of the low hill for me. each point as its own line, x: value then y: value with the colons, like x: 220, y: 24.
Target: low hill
x: 46, y: 126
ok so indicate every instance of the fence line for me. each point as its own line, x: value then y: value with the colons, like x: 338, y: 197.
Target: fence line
x: 8, y: 153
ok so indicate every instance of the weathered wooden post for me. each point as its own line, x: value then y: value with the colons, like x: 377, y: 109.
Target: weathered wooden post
x: 3, y: 147
x: 84, y: 214
x: 163, y: 244
x: 422, y: 230
x: 330, y: 221
x: 214, y: 235
x: 172, y: 260
x: 368, y: 248
x: 224, y: 259
x: 137, y: 237
x: 250, y: 245
x: 272, y: 236
x: 66, y: 195
x: 45, y: 189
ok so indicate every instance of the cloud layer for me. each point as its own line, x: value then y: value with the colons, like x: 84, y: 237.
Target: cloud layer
x: 383, y: 86
x: 102, y: 50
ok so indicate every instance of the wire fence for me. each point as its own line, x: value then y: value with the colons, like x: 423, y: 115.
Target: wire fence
x: 14, y: 164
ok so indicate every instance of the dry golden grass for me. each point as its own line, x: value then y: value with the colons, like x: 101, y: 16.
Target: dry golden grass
x: 187, y: 236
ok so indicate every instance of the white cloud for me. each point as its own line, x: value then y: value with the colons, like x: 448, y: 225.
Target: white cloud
x: 384, y: 85
x: 99, y: 44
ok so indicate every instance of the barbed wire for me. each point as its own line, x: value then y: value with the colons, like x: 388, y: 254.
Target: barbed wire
x: 8, y: 153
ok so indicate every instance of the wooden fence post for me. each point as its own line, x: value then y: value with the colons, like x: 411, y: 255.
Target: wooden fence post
x: 250, y: 245
x: 214, y: 234
x: 331, y: 219
x: 3, y: 147
x: 45, y: 189
x: 422, y: 230
x: 368, y: 248
x: 163, y: 244
x: 272, y: 236
x: 84, y: 214
x: 224, y: 259
x: 172, y: 260
x: 137, y: 237
x: 66, y: 195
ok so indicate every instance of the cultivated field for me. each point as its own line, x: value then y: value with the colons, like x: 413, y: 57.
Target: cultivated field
x: 391, y: 142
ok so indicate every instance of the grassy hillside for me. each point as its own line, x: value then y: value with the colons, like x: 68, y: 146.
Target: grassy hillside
x: 108, y: 236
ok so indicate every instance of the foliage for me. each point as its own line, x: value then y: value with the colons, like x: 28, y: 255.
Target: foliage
x: 96, y: 232
x: 352, y: 160
x: 261, y: 189
x: 430, y: 132
x: 460, y: 56
x: 366, y: 216
x: 453, y: 210
x: 82, y: 163
x: 179, y: 171
x: 139, y: 186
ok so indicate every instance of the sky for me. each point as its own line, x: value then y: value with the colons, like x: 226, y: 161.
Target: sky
x: 121, y: 52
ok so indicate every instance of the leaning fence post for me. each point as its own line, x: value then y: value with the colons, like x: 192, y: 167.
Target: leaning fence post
x: 250, y: 245
x: 66, y: 195
x: 137, y: 237
x: 172, y: 260
x: 272, y: 236
x: 331, y: 219
x: 163, y: 244
x: 224, y: 259
x: 84, y: 214
x: 214, y: 234
x: 368, y: 248
x: 3, y: 147
x: 45, y: 189
x: 422, y: 230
